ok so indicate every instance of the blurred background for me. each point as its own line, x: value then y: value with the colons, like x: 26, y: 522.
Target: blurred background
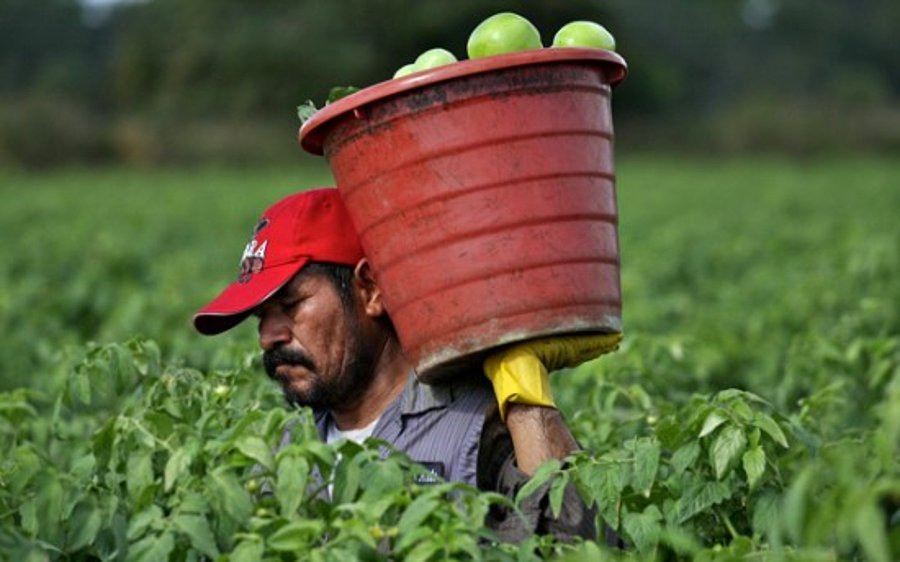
x: 756, y: 161
x: 150, y: 82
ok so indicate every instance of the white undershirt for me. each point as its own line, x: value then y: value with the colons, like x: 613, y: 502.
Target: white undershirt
x: 355, y: 435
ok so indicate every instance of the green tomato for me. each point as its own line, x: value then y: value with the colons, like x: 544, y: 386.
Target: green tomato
x: 404, y: 70
x: 505, y: 32
x: 433, y: 58
x: 584, y: 34
x: 264, y: 512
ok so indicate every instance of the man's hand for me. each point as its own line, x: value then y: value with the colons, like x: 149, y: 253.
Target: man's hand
x: 520, y: 373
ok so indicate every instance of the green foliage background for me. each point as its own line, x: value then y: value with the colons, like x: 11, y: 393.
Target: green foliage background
x: 754, y: 407
x: 171, y: 81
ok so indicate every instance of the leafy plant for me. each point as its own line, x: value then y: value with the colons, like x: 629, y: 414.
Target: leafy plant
x: 308, y: 108
x: 752, y: 411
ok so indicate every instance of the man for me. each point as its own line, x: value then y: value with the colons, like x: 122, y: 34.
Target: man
x: 329, y: 342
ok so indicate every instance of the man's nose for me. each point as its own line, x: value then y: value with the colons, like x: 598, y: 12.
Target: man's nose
x: 273, y: 331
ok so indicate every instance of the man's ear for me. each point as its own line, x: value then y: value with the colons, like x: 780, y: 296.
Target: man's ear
x: 369, y: 291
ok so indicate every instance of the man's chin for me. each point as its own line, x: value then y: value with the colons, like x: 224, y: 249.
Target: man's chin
x: 302, y: 397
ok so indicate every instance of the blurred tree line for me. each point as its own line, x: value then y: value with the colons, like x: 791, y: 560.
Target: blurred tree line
x: 160, y: 81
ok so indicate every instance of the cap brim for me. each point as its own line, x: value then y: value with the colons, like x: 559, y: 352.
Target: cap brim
x: 238, y: 300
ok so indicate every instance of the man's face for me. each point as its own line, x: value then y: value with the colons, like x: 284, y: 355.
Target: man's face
x: 314, y: 345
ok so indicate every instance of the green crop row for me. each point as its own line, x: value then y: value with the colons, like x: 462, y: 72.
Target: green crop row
x: 752, y: 410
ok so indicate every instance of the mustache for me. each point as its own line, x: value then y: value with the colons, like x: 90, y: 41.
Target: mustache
x: 274, y: 358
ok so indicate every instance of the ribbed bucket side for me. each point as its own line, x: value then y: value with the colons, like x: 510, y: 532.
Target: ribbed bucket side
x: 487, y: 208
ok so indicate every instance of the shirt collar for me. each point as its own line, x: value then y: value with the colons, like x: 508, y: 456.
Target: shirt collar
x: 419, y: 397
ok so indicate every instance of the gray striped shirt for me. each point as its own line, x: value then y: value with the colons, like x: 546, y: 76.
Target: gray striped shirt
x: 445, y: 427
x: 438, y: 426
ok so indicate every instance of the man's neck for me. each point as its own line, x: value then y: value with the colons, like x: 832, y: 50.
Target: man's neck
x: 391, y: 371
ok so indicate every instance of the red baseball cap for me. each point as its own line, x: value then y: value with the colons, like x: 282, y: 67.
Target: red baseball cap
x: 307, y: 226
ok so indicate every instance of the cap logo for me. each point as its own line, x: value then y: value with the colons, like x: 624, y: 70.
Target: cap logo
x: 253, y: 259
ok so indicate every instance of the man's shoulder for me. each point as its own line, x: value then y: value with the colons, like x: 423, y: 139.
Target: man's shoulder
x: 471, y: 390
x: 465, y: 392
x: 439, y: 425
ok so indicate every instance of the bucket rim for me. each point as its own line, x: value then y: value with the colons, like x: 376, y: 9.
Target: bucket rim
x: 311, y: 133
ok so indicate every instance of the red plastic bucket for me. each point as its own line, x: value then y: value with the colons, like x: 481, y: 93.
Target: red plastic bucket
x: 484, y: 196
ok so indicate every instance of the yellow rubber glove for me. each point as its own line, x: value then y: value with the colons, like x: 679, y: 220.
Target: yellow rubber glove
x: 520, y: 372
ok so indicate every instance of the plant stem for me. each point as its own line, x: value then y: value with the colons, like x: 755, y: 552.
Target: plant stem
x: 724, y: 517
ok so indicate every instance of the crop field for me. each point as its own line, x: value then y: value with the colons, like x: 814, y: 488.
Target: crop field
x: 753, y: 410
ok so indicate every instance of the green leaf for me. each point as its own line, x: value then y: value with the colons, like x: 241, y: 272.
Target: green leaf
x: 712, y: 421
x: 639, y: 395
x: 587, y: 550
x: 102, y: 442
x: 557, y: 493
x: 407, y: 540
x: 50, y: 498
x: 740, y: 548
x: 255, y: 448
x: 325, y: 456
x: 742, y: 410
x: 681, y: 541
x: 296, y: 536
x: 14, y: 406
x: 83, y: 468
x: 870, y: 528
x: 382, y: 479
x: 423, y: 551
x: 754, y: 462
x: 646, y: 463
x: 794, y: 504
x: 292, y: 475
x: 178, y: 462
x: 248, y: 550
x: 754, y: 436
x: 582, y: 486
x: 699, y: 497
x: 197, y: 529
x: 339, y: 92
x: 28, y: 465
x: 84, y: 524
x: 416, y: 513
x: 540, y: 477
x: 28, y: 516
x: 139, y: 472
x: 346, y: 481
x: 306, y: 110
x: 765, y: 514
x: 172, y: 406
x: 80, y: 388
x: 230, y: 495
x: 608, y: 481
x: 643, y: 528
x: 145, y: 356
x: 152, y: 549
x: 193, y: 502
x: 685, y: 456
x: 141, y: 523
x: 767, y: 424
x: 726, y: 448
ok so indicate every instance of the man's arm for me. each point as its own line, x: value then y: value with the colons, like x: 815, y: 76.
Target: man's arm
x: 538, y: 434
x: 533, y: 433
x: 541, y: 435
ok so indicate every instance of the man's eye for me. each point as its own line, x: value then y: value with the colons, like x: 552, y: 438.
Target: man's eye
x: 289, y: 304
